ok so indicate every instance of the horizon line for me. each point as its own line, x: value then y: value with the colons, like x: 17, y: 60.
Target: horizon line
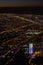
x: 20, y: 5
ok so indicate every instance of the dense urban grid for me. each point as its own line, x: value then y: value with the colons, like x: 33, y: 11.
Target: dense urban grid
x: 17, y: 31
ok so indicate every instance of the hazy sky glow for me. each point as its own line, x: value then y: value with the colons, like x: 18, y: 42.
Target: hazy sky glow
x: 20, y: 2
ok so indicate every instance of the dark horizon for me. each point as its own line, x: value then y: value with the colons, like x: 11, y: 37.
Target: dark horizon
x: 22, y: 10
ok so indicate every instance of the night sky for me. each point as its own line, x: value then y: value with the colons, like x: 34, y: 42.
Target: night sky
x: 25, y: 1
x: 20, y: 2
